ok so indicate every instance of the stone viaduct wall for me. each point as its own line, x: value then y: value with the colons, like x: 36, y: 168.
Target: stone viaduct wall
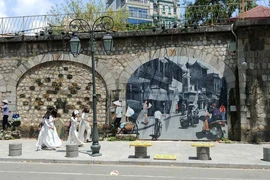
x: 35, y: 71
x: 254, y: 70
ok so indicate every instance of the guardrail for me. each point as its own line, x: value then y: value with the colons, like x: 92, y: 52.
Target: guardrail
x: 189, y: 16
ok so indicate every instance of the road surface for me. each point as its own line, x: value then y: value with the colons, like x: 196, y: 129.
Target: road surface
x: 48, y: 171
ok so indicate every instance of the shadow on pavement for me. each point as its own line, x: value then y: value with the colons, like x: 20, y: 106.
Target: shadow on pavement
x: 133, y: 157
x: 192, y: 158
x: 208, y: 135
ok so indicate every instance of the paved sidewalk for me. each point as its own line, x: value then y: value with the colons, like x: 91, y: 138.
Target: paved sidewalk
x: 234, y: 155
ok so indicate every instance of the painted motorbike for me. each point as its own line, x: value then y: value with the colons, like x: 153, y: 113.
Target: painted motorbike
x: 217, y: 128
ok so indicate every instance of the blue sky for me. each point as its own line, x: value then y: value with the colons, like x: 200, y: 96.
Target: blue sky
x: 10, y: 8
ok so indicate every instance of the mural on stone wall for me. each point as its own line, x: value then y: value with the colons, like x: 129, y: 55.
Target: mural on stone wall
x: 185, y: 92
x: 64, y: 85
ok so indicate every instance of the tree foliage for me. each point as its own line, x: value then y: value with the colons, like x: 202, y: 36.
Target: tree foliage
x: 120, y: 18
x: 214, y: 11
x: 61, y: 14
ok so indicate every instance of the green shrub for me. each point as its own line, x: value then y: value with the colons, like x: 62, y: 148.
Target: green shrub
x: 112, y: 138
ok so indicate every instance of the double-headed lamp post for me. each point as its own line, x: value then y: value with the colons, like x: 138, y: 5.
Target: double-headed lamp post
x: 102, y: 24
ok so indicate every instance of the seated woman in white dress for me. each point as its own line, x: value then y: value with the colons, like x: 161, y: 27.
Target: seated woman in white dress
x: 73, y: 134
x: 48, y: 135
x: 84, y: 126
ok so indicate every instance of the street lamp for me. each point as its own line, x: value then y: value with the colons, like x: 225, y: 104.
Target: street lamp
x: 75, y: 45
x: 102, y: 24
x: 108, y: 43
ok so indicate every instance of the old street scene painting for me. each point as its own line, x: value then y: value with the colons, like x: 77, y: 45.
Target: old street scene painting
x: 184, y: 90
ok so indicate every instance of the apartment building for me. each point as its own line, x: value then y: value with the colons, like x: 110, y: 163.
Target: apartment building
x: 158, y: 12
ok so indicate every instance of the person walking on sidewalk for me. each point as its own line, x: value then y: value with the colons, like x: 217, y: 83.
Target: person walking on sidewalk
x: 5, y: 111
x: 118, y: 114
x: 84, y: 126
x: 48, y: 136
x: 73, y: 134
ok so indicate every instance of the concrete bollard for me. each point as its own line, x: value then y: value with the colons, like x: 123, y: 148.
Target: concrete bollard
x: 15, y: 149
x: 72, y: 150
x: 203, y: 153
x: 266, y: 153
x: 140, y: 152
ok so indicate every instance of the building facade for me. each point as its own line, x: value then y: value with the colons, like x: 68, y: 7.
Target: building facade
x: 158, y: 12
x: 165, y: 12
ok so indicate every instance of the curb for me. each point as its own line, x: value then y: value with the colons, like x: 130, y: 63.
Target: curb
x: 140, y: 163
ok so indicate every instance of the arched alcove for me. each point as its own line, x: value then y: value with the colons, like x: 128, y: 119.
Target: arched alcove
x: 170, y: 80
x: 67, y: 84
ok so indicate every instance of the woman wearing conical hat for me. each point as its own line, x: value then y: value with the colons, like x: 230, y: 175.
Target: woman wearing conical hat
x: 118, y: 114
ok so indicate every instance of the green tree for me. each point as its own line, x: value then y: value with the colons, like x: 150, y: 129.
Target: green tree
x: 61, y: 14
x: 120, y: 18
x: 213, y: 11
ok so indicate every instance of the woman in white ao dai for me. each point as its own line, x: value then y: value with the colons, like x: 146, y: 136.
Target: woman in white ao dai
x: 73, y: 134
x: 48, y: 136
x: 84, y: 126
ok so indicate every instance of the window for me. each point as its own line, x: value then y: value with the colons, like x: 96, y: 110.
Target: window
x: 175, y: 10
x: 169, y: 9
x: 142, y: 13
x: 155, y: 8
x: 133, y: 12
x: 164, y: 9
x: 137, y: 12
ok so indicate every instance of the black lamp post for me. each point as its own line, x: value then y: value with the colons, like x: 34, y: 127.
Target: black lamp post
x: 102, y: 24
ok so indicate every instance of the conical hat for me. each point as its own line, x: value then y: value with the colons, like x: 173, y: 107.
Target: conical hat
x: 76, y: 112
x: 117, y: 103
x: 5, y: 101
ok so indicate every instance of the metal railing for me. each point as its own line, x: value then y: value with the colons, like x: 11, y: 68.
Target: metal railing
x: 189, y: 15
x: 31, y: 25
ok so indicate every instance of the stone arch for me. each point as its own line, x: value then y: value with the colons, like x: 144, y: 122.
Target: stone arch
x: 204, y: 55
x: 83, y: 59
x: 11, y: 86
x: 64, y: 85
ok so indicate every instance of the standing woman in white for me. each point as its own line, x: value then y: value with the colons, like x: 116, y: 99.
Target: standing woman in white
x: 73, y: 134
x: 48, y: 136
x: 84, y: 126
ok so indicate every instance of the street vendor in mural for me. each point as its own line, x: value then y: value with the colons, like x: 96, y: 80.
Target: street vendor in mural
x: 183, y: 90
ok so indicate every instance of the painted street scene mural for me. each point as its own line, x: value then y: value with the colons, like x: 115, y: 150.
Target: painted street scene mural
x: 178, y: 98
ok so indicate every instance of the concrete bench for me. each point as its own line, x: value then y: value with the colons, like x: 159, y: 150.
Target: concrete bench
x: 203, y: 150
x: 15, y: 149
x: 140, y: 148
